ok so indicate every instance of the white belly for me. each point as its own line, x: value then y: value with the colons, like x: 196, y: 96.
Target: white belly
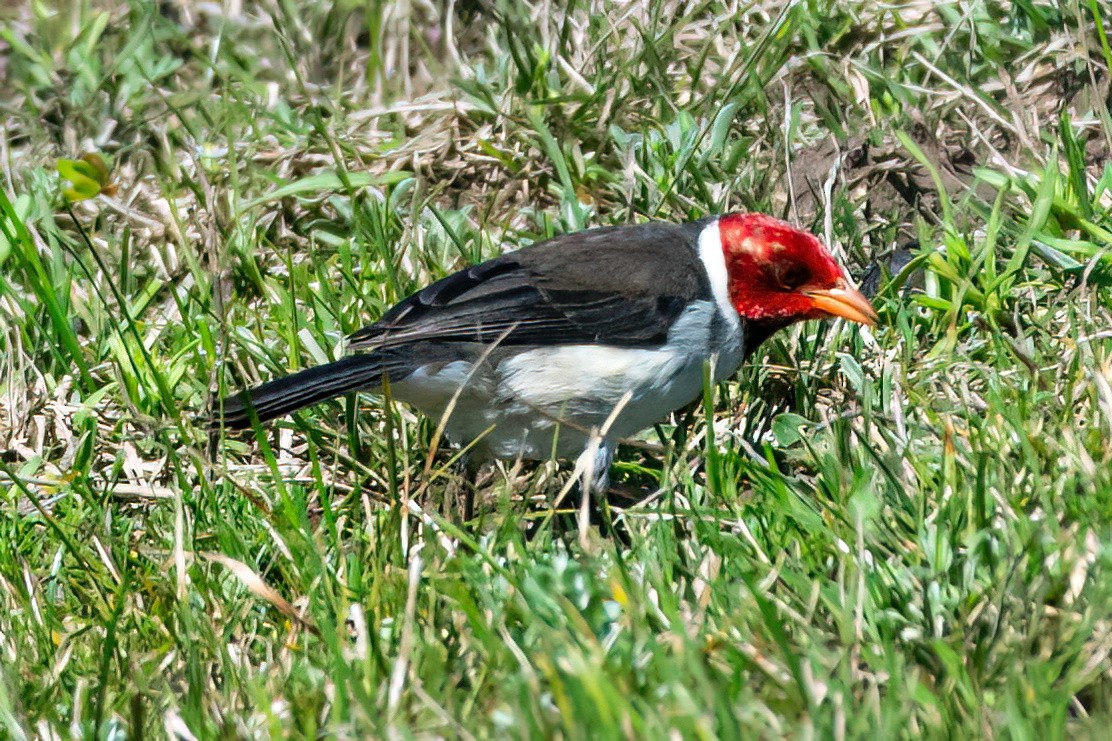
x: 545, y: 402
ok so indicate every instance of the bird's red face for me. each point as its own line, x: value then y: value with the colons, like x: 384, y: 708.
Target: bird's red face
x: 779, y: 274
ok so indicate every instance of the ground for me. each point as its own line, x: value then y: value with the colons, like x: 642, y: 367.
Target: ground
x: 897, y: 532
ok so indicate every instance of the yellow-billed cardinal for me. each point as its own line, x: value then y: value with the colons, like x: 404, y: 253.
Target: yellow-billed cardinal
x: 539, y: 347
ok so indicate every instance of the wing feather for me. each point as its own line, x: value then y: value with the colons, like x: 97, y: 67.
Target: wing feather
x: 616, y: 286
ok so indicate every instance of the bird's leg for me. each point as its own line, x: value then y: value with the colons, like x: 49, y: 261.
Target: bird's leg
x: 594, y: 466
x: 598, y: 511
x: 460, y: 496
x: 594, y: 478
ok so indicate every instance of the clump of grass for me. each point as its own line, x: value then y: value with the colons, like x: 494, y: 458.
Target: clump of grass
x: 898, y: 532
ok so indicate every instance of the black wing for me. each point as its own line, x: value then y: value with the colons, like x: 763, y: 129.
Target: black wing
x: 620, y: 286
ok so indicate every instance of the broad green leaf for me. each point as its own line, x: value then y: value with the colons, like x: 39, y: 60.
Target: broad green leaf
x: 82, y: 178
x: 720, y: 129
x: 89, y: 177
x: 786, y: 428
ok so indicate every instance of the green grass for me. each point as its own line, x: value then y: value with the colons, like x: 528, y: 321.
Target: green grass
x: 901, y: 532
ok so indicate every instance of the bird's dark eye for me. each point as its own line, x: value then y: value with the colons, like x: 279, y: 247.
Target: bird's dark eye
x: 793, y: 276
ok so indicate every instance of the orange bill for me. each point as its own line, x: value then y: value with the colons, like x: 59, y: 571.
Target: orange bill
x: 845, y: 302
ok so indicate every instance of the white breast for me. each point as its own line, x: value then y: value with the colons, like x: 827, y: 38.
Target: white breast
x: 546, y: 401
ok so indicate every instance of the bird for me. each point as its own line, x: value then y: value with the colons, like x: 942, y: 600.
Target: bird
x: 564, y: 347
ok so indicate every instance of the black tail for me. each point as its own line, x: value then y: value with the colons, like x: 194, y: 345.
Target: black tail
x: 281, y: 396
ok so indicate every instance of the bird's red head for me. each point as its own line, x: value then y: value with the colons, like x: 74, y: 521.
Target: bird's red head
x: 779, y: 274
